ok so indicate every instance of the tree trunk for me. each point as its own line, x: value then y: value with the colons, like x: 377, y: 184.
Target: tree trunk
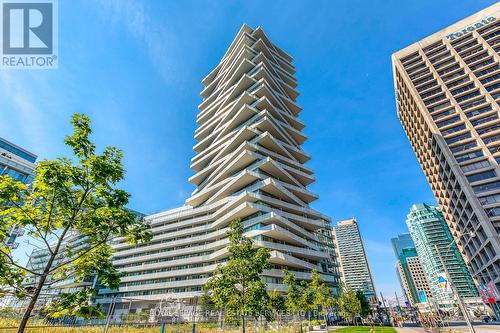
x: 43, y: 277
x: 31, y: 305
x: 243, y: 322
x: 300, y: 322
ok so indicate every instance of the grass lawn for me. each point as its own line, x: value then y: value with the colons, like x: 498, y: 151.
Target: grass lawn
x: 367, y: 329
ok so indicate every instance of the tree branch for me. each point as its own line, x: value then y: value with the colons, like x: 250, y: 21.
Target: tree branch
x: 16, y: 264
x: 34, y: 224
x: 82, y: 253
x: 60, y: 279
x: 48, y: 268
x: 50, y: 212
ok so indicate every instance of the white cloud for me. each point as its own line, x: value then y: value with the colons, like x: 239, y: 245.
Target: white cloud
x: 159, y: 41
x: 27, y: 117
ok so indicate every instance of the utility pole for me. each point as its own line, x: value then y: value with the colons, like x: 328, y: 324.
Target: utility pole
x: 383, y: 301
x: 397, y: 300
x: 193, y: 327
x: 455, y: 292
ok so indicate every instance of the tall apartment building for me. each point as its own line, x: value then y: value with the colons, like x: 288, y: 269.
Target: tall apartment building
x: 19, y: 164
x: 354, y: 267
x: 428, y: 229
x: 447, y: 95
x: 409, y: 269
x: 249, y: 165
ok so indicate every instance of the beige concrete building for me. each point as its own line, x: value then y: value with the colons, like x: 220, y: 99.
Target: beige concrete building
x: 418, y: 276
x: 249, y: 164
x: 447, y: 94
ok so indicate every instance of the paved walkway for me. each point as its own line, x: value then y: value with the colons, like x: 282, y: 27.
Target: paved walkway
x: 410, y: 330
x: 482, y: 328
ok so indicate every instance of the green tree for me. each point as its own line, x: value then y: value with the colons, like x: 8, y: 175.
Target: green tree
x: 349, y: 305
x: 322, y: 293
x: 277, y: 301
x: 365, y: 305
x: 69, y: 196
x: 237, y: 286
x: 299, y: 297
x: 276, y: 304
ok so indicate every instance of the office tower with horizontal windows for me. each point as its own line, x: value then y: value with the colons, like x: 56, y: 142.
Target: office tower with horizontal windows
x: 447, y: 95
x: 354, y: 267
x: 432, y: 239
x: 19, y: 164
x: 249, y: 165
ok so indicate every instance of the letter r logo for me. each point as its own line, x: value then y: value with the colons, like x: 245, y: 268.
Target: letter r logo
x: 27, y: 27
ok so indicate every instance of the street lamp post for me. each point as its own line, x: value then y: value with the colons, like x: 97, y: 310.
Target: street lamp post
x: 454, y: 290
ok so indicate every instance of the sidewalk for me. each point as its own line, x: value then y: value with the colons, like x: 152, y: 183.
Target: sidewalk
x: 481, y: 328
x: 409, y: 329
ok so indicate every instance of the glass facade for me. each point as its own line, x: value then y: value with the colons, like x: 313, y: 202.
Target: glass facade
x: 401, y: 242
x: 428, y: 229
x: 18, y: 164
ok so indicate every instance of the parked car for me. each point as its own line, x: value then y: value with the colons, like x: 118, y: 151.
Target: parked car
x: 485, y: 319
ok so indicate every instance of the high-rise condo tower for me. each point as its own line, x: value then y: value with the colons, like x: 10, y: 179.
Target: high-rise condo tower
x: 355, y: 270
x: 249, y: 165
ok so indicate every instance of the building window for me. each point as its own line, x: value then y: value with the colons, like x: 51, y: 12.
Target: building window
x: 490, y: 78
x: 458, y: 82
x: 489, y: 199
x: 448, y: 121
x: 430, y: 93
x: 488, y: 129
x: 454, y: 75
x: 487, y: 70
x: 467, y: 96
x: 486, y: 187
x: 473, y: 104
x: 462, y: 89
x: 464, y: 147
x: 481, y: 176
x: 435, y: 99
x: 492, y: 212
x: 484, y: 120
x: 453, y: 130
x: 491, y: 139
x: 458, y: 138
x: 479, y: 111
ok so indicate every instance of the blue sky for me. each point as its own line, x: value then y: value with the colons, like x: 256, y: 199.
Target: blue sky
x: 135, y: 67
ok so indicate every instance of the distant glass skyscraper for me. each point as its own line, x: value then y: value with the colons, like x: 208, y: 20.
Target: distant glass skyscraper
x: 428, y: 229
x: 19, y: 164
x: 401, y: 242
x: 354, y: 267
x: 447, y: 96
